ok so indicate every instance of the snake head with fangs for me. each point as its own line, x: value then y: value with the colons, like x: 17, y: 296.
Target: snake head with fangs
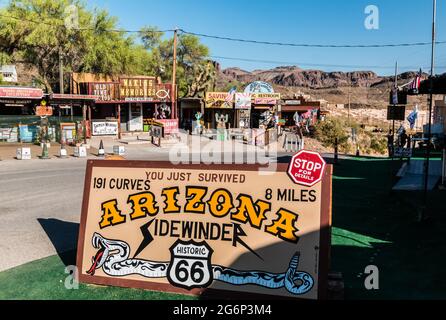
x: 101, y: 256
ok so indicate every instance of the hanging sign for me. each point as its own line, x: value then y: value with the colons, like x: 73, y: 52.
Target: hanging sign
x: 195, y: 228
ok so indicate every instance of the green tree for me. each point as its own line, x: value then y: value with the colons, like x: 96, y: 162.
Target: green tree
x: 38, y: 31
x: 195, y: 72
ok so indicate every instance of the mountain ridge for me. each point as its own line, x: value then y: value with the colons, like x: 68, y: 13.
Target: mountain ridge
x: 293, y: 76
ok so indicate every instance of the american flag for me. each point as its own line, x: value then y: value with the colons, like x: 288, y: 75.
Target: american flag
x: 415, y: 84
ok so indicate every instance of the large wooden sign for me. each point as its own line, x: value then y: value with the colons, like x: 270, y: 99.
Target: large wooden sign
x: 196, y: 229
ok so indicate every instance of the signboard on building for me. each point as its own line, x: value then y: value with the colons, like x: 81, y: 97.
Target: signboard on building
x: 44, y: 111
x: 293, y: 102
x: 221, y: 100
x: 259, y: 87
x: 266, y: 98
x: 170, y: 125
x: 21, y: 92
x: 137, y: 88
x: 164, y: 92
x: 105, y: 128
x: 104, y: 91
x: 243, y: 101
x: 190, y: 229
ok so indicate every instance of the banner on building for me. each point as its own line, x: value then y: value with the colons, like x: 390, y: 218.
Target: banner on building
x: 192, y: 229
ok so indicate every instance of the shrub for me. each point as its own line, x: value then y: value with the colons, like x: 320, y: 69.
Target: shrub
x: 378, y: 144
x: 327, y: 131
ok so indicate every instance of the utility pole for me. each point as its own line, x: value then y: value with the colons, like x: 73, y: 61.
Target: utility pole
x: 431, y: 89
x: 396, y: 90
x: 61, y: 91
x: 174, y: 75
x: 349, y: 96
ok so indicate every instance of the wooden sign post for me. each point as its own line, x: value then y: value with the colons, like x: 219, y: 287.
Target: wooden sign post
x: 196, y: 229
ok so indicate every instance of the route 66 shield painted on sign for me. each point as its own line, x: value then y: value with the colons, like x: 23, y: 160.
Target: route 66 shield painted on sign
x: 190, y: 266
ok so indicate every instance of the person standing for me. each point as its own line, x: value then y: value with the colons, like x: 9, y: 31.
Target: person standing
x: 390, y: 143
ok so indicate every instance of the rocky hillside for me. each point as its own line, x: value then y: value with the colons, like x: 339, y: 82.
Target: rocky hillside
x: 366, y: 98
x: 314, y: 79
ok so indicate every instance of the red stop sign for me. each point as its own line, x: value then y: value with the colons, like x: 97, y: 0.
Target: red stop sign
x: 306, y: 168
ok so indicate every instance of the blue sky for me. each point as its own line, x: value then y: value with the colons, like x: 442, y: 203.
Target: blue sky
x: 297, y: 21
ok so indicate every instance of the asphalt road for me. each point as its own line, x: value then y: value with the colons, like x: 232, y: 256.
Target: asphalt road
x: 36, y: 197
x: 40, y: 206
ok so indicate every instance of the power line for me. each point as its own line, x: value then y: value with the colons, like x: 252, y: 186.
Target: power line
x: 312, y: 45
x: 238, y: 40
x: 313, y: 64
x: 62, y: 25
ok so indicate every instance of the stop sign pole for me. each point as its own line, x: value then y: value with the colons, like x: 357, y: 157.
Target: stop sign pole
x: 307, y: 168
